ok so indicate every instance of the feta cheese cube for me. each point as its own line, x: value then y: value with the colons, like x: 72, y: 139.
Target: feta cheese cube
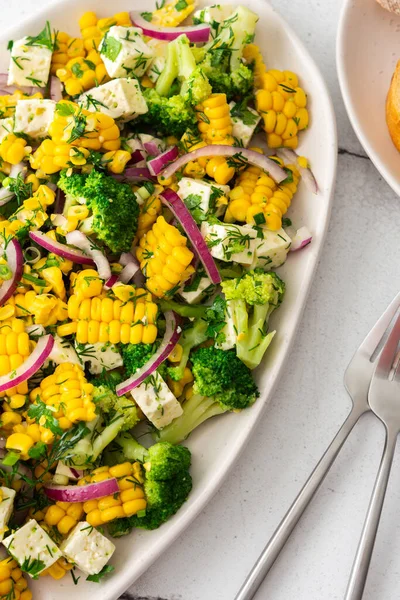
x: 62, y: 352
x: 271, y: 251
x: 231, y: 242
x: 157, y: 64
x: 6, y: 127
x: 87, y: 548
x: 244, y: 123
x: 32, y: 548
x: 214, y: 15
x: 203, y: 196
x: 195, y: 295
x: 124, y: 52
x: 34, y: 117
x: 6, y: 508
x: 157, y: 401
x: 119, y: 98
x: 29, y: 64
x: 101, y: 356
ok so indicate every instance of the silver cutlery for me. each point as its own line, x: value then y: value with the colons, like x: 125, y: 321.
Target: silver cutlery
x: 357, y: 380
x: 384, y: 400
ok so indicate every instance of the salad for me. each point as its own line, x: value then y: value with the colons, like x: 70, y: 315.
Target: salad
x: 146, y: 171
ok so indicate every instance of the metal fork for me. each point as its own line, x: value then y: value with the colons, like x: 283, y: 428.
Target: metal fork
x: 357, y: 379
x: 384, y: 400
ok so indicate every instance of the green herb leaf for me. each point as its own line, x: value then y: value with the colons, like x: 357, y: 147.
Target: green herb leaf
x: 43, y: 39
x: 44, y: 415
x: 111, y: 47
x: 147, y: 16
x: 33, y: 566
x: 97, y: 578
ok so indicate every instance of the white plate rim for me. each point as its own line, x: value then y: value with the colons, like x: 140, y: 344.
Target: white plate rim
x: 122, y: 581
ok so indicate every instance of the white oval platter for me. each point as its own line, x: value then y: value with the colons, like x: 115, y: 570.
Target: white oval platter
x: 217, y: 444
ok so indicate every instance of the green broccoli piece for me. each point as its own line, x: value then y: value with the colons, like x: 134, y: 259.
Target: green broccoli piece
x: 169, y: 116
x: 100, y: 433
x: 250, y: 301
x: 113, y: 205
x: 236, y: 83
x: 167, y: 484
x: 136, y: 355
x: 191, y: 337
x: 222, y: 383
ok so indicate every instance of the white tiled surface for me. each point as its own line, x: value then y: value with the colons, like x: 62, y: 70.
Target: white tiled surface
x: 357, y: 277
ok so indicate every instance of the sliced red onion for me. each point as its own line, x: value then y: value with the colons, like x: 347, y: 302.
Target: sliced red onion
x: 59, y: 201
x: 136, y: 157
x: 62, y: 250
x: 111, y: 281
x: 59, y: 220
x: 79, y: 239
x: 195, y: 33
x: 159, y: 163
x: 290, y: 156
x: 17, y: 169
x: 5, y: 195
x: 128, y: 272
x: 35, y: 252
x: 302, y: 238
x: 182, y: 213
x: 243, y: 154
x: 81, y: 493
x: 55, y: 89
x: 15, y: 261
x: 170, y: 339
x: 152, y: 148
x: 135, y: 175
x: 126, y: 258
x: 10, y: 89
x: 30, y: 366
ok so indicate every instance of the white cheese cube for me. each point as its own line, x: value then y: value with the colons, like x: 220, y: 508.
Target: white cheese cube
x: 244, y: 123
x: 119, y: 99
x: 198, y: 194
x: 34, y: 117
x: 157, y: 64
x: 271, y: 251
x: 29, y: 65
x: 230, y: 242
x: 87, y: 548
x: 156, y: 401
x: 229, y: 330
x: 194, y: 296
x: 32, y: 548
x: 124, y: 52
x: 6, y: 508
x: 6, y: 127
x: 100, y: 356
x: 63, y: 352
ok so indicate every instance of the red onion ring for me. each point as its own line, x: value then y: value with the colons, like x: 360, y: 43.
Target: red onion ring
x: 55, y: 89
x: 128, y: 272
x: 79, y: 239
x: 252, y: 157
x: 15, y: 260
x: 30, y: 366
x: 112, y: 281
x: 81, y: 493
x: 136, y: 157
x: 159, y: 163
x: 195, y: 33
x: 135, y: 175
x: 170, y: 339
x: 62, y: 250
x: 152, y: 147
x: 59, y: 201
x: 10, y: 89
x: 290, y: 156
x: 302, y: 238
x: 182, y: 213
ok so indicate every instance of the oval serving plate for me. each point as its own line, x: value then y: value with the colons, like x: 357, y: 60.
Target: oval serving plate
x: 367, y: 50
x: 217, y: 444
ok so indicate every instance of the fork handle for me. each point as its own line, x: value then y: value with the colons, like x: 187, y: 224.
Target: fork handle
x: 290, y: 520
x: 359, y: 571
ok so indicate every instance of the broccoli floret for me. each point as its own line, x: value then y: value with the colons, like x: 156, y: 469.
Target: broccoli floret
x: 170, y: 116
x: 191, y: 337
x: 136, y: 355
x: 107, y: 401
x: 236, y: 83
x: 222, y: 383
x: 167, y: 484
x: 113, y: 205
x: 251, y: 299
x: 100, y: 433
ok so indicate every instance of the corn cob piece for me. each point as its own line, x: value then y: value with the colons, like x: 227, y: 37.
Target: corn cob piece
x: 25, y: 435
x: 164, y: 258
x: 103, y: 319
x: 282, y: 104
x: 69, y: 393
x: 13, y: 149
x: 45, y: 309
x: 65, y: 48
x: 9, y: 102
x: 252, y: 54
x: 172, y: 13
x: 149, y: 211
x: 15, y: 348
x: 79, y: 127
x: 13, y: 586
x: 50, y: 157
x: 64, y: 516
x: 80, y: 74
x: 129, y: 501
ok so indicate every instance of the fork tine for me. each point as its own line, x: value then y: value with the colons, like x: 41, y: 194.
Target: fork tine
x: 376, y: 334
x: 389, y: 351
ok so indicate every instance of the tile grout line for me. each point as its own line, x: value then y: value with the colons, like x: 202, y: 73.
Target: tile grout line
x: 349, y: 153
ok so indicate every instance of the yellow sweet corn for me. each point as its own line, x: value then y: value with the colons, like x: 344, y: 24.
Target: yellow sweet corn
x: 86, y: 284
x: 172, y: 13
x: 149, y: 211
x: 164, y: 258
x: 64, y: 516
x: 282, y: 104
x: 9, y: 102
x: 13, y: 149
x: 68, y: 391
x: 50, y: 157
x: 128, y: 319
x: 45, y: 309
x: 13, y: 585
x: 79, y: 127
x: 65, y: 48
x: 252, y: 54
x: 58, y: 569
x: 116, y: 160
x: 214, y: 120
x: 25, y: 435
x: 31, y: 213
x: 54, y: 277
x: 15, y: 347
x: 129, y: 501
x: 80, y: 74
x: 240, y: 195
x: 177, y: 387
